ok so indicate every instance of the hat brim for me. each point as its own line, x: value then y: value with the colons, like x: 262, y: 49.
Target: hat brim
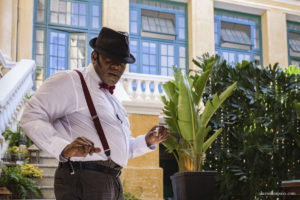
x: 130, y: 59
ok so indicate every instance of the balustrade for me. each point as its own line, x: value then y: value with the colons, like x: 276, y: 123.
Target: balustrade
x: 13, y: 89
x: 143, y: 87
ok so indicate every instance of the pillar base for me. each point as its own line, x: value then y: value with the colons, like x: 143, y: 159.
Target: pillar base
x: 144, y: 183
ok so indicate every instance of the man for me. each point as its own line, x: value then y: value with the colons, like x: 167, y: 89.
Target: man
x: 58, y: 119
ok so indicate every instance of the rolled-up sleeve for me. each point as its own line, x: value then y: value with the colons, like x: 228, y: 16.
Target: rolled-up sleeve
x: 55, y: 99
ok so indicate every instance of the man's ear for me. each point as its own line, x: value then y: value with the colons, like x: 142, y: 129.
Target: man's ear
x: 94, y: 56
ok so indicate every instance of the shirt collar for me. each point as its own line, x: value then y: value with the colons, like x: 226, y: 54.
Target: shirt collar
x: 93, y: 74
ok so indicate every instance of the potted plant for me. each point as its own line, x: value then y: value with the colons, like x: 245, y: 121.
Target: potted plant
x: 17, y: 180
x: 189, y: 129
x: 16, y: 138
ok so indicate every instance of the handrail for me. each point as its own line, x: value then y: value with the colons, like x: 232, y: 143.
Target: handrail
x: 13, y: 88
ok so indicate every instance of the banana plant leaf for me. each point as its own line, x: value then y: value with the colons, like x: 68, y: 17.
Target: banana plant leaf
x: 183, y: 96
x: 171, y: 144
x: 187, y: 110
x: 212, y: 106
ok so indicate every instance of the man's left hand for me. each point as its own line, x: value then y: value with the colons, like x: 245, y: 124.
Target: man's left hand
x: 156, y: 135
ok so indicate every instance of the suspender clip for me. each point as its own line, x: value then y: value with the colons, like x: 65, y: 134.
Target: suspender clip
x: 107, y: 153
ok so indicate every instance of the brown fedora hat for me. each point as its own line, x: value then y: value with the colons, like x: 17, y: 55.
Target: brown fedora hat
x: 113, y: 44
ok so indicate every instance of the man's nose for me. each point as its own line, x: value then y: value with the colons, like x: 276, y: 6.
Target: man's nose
x: 116, y: 66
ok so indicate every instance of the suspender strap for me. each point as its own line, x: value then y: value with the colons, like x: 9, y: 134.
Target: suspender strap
x: 94, y: 115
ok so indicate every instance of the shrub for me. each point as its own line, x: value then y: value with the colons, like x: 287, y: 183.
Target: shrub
x: 257, y: 149
x: 18, y: 183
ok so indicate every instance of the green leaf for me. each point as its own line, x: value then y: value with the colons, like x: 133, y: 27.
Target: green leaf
x: 200, y: 85
x: 297, y: 107
x: 211, y: 139
x: 202, y: 131
x: 170, y: 90
x: 297, y: 139
x: 211, y: 107
x: 186, y: 110
x: 188, y: 152
x: 171, y: 144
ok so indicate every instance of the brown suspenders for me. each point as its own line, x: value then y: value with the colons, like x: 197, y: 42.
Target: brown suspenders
x: 94, y: 115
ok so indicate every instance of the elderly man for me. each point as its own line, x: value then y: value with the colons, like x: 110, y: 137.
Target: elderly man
x: 75, y: 117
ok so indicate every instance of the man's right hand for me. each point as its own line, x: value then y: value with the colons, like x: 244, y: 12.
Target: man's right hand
x: 80, y: 147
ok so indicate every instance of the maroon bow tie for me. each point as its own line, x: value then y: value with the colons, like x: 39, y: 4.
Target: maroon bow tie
x: 107, y: 87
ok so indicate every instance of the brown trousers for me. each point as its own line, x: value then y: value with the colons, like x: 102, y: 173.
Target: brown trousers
x: 86, y: 185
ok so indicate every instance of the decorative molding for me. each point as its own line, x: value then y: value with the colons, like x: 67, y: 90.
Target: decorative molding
x: 252, y: 7
x: 237, y: 7
x: 141, y: 107
x: 294, y: 18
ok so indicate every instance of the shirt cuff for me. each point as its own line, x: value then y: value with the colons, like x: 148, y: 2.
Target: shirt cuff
x: 141, y: 141
x: 62, y: 158
x: 57, y: 145
x: 152, y: 147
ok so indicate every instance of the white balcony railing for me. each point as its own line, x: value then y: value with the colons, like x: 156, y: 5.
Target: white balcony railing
x: 141, y: 87
x: 13, y: 88
x: 140, y: 93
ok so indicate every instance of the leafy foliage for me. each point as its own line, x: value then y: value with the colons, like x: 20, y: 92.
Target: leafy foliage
x: 257, y: 149
x: 18, y: 183
x: 188, y: 140
x: 130, y: 196
x: 15, y: 137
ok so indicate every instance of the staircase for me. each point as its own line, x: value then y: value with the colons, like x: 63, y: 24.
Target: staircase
x: 48, y: 164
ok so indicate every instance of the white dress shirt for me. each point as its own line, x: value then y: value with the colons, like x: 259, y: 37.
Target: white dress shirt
x: 58, y: 113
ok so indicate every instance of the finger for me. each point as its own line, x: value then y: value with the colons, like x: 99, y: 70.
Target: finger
x: 161, y: 131
x: 97, y: 150
x: 165, y: 136
x: 85, y: 140
x: 88, y: 141
x: 83, y: 143
x: 94, y: 150
x: 154, y: 127
x: 158, y: 130
x: 83, y: 149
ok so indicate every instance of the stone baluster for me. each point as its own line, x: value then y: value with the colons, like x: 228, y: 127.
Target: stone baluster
x: 139, y: 89
x: 156, y: 91
x: 14, y: 86
x: 129, y: 87
x: 147, y: 90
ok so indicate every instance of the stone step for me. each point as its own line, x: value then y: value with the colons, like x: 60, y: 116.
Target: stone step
x: 48, y: 169
x: 44, y: 153
x: 47, y: 180
x: 48, y: 192
x: 48, y: 160
x: 48, y: 164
